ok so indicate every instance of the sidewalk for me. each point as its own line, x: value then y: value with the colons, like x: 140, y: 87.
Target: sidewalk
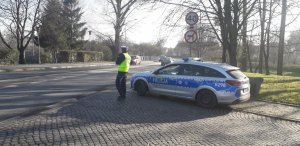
x: 31, y: 67
x: 270, y: 109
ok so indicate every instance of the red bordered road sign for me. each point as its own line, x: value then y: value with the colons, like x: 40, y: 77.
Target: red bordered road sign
x: 191, y: 18
x: 190, y: 36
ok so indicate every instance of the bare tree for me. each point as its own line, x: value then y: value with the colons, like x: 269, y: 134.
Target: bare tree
x: 281, y: 38
x: 262, y: 12
x: 19, y: 17
x: 228, y: 15
x: 268, y: 37
x: 244, y: 39
x: 122, y: 9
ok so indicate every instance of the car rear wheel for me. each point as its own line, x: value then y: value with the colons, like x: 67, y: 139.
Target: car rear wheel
x: 141, y: 88
x: 207, y: 99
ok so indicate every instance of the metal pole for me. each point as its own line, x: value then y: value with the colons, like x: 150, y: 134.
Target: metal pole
x: 190, y: 49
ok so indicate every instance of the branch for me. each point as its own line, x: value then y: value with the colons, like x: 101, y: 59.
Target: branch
x: 5, y: 43
x: 129, y: 4
x: 214, y: 29
x: 247, y: 15
x: 187, y: 6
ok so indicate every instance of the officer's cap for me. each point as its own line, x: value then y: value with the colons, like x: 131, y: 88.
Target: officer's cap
x: 124, y: 48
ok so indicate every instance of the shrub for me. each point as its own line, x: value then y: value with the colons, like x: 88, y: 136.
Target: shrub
x: 67, y: 56
x: 79, y: 56
x: 47, y: 57
x: 9, y: 56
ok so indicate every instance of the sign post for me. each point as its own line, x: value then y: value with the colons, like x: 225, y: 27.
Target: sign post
x: 191, y: 35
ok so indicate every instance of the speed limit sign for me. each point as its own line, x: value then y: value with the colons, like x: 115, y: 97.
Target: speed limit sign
x: 191, y: 18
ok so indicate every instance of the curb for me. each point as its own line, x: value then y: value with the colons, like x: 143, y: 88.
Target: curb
x: 267, y: 115
x: 281, y: 103
x: 262, y: 112
x: 50, y: 68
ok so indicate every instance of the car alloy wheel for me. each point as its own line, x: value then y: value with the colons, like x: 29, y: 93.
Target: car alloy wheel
x: 206, y: 98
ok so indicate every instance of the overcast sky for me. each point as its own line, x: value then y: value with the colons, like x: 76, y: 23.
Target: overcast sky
x: 145, y: 24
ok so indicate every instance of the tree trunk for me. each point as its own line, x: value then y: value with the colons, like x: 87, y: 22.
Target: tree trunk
x: 244, y: 39
x: 267, y: 52
x: 262, y: 36
x: 281, y: 39
x: 22, y: 56
x: 233, y: 49
x: 117, y: 44
x: 228, y: 28
x: 249, y: 57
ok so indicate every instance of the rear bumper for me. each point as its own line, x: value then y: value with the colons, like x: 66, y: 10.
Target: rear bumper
x: 233, y: 99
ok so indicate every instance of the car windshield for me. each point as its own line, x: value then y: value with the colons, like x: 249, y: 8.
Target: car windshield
x: 237, y: 74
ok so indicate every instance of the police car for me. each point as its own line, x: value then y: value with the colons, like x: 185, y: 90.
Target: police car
x: 205, y: 82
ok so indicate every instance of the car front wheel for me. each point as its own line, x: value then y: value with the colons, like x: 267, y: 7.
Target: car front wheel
x: 206, y: 98
x: 141, y: 88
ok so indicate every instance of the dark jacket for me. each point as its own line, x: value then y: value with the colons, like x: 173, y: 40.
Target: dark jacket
x: 120, y: 59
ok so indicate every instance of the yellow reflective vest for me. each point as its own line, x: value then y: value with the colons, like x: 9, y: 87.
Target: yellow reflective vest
x: 124, y: 66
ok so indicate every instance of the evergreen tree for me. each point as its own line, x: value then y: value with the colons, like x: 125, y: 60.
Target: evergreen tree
x: 74, y: 29
x: 51, y: 32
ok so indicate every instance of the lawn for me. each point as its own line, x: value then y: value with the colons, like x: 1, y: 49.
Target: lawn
x: 284, y: 89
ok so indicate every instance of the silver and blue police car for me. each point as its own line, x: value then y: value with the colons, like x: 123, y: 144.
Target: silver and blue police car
x: 207, y: 83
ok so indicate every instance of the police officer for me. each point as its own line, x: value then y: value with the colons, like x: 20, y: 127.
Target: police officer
x: 123, y: 62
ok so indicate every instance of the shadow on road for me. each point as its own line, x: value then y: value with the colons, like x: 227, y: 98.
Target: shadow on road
x: 104, y: 107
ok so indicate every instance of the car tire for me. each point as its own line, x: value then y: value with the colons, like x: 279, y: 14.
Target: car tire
x: 206, y: 98
x: 141, y: 88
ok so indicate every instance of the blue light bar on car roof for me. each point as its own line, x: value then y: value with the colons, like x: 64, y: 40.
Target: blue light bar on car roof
x: 185, y: 59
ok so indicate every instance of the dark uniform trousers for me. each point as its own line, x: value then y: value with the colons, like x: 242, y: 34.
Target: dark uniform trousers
x: 121, y: 83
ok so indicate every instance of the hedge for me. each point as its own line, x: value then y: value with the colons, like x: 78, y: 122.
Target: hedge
x: 64, y: 56
x: 67, y: 56
x: 8, y: 56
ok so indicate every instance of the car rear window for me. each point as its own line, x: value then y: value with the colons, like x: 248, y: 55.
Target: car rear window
x: 237, y: 74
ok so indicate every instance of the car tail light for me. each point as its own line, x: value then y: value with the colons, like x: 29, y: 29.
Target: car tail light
x: 234, y: 82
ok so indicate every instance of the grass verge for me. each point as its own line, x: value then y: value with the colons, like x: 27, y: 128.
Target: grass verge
x: 285, y: 89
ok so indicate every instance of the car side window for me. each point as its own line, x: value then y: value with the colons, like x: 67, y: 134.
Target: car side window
x: 188, y: 70
x: 209, y: 72
x: 195, y: 70
x: 169, y: 70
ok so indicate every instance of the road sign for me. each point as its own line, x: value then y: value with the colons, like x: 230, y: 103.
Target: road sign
x: 191, y: 18
x: 190, y: 36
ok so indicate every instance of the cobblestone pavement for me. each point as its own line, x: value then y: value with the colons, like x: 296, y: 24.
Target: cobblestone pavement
x: 102, y: 120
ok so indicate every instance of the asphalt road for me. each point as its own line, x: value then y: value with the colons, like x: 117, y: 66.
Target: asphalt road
x: 29, y: 92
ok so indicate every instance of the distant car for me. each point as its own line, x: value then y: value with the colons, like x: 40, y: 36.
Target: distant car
x: 165, y: 60
x: 135, y: 60
x: 207, y: 83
